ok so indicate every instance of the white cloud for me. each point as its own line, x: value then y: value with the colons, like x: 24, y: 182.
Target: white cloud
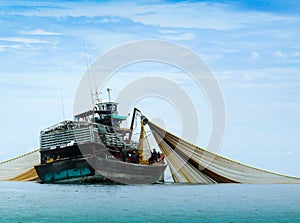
x: 39, y: 32
x: 280, y: 54
x: 24, y: 40
x: 169, y: 31
x: 254, y: 55
x: 180, y: 37
x: 270, y: 78
x: 200, y: 14
x: 4, y: 48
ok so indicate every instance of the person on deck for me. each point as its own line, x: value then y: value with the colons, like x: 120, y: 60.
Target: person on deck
x: 133, y: 158
x: 137, y: 158
x: 153, y: 158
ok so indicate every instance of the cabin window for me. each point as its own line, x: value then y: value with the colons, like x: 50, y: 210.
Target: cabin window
x: 108, y: 107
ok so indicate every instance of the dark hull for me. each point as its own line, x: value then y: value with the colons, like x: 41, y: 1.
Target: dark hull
x: 127, y: 173
x: 91, y: 168
x: 75, y: 170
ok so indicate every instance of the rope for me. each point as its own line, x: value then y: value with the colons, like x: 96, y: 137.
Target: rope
x: 18, y: 157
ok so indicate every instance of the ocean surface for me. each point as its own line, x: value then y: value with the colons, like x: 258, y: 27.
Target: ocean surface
x: 34, y: 202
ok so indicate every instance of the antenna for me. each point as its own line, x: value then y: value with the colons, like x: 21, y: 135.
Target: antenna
x: 62, y: 104
x: 88, y: 72
x: 108, y: 91
x: 97, y: 95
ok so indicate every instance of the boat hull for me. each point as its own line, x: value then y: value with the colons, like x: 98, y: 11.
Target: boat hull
x: 127, y: 173
x: 96, y: 169
x: 75, y: 170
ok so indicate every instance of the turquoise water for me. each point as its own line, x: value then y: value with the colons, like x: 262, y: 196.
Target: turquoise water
x: 33, y: 202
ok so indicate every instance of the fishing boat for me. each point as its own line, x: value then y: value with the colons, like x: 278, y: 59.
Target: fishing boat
x: 94, y: 148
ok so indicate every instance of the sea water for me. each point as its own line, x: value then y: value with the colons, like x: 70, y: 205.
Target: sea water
x: 34, y: 202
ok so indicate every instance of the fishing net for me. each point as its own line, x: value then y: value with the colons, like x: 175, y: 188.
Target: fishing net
x: 187, y: 163
x: 144, y: 147
x: 20, y: 168
x: 191, y: 164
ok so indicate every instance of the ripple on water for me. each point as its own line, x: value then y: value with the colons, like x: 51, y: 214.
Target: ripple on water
x: 33, y: 202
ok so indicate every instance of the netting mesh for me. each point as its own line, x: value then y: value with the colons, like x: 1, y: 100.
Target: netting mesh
x: 20, y: 168
x: 191, y: 164
x: 144, y: 146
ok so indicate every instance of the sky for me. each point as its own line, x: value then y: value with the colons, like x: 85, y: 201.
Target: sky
x: 252, y: 48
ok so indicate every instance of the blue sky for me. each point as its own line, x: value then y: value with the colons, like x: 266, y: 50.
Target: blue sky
x: 252, y: 47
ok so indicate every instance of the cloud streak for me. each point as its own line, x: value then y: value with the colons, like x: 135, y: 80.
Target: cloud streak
x: 23, y: 40
x: 39, y: 32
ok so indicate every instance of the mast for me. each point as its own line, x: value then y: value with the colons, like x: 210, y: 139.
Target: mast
x: 108, y: 91
x: 88, y: 74
x: 62, y: 104
x: 97, y: 94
